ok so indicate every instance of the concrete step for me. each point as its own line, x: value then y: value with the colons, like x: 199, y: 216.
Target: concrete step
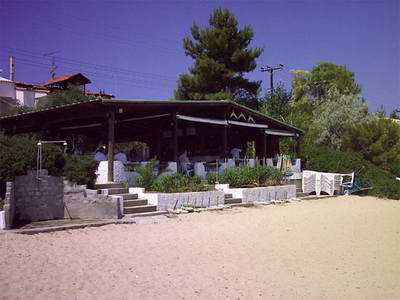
x: 139, y: 209
x: 136, y: 202
x: 110, y: 185
x: 232, y: 200
x: 301, y: 194
x: 227, y: 196
x: 118, y: 191
x: 129, y: 196
x: 146, y: 214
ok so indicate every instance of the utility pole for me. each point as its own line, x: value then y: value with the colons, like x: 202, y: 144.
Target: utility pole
x: 271, y: 73
x: 12, y: 68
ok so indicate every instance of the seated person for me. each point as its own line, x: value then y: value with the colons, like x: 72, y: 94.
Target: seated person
x: 184, y: 162
x: 120, y: 156
x: 132, y: 154
x: 100, y: 154
x: 235, y: 153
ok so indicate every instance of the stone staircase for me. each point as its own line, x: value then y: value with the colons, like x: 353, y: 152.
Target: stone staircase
x: 133, y: 206
x: 228, y: 199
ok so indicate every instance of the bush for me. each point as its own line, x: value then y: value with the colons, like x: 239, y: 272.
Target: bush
x: 178, y: 183
x: 324, y: 159
x: 81, y: 169
x: 244, y: 176
x: 146, y: 176
x: 18, y: 155
x: 212, y: 178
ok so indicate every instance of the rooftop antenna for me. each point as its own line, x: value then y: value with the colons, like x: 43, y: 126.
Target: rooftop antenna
x: 53, y: 66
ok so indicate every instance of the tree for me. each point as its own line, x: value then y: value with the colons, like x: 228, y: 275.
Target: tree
x: 326, y: 75
x: 221, y: 55
x: 334, y: 116
x: 71, y: 95
x: 395, y: 114
x: 277, y: 104
x: 378, y: 140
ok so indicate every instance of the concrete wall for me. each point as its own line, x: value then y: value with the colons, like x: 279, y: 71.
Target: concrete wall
x: 7, y: 88
x: 260, y: 194
x: 169, y: 200
x: 29, y: 199
x: 81, y: 203
x: 37, y: 200
x: 9, y: 206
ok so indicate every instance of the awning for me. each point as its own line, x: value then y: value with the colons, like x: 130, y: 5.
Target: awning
x: 202, y: 120
x: 248, y: 124
x: 280, y: 132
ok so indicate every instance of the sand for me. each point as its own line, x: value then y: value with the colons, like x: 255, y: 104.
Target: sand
x: 339, y: 248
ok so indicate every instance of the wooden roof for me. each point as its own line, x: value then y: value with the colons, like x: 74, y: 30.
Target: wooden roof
x: 94, y: 112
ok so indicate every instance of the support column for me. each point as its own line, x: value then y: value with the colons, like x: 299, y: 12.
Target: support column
x: 175, y: 136
x: 264, y: 143
x: 158, y: 143
x: 298, y: 143
x: 225, y: 141
x: 110, y: 153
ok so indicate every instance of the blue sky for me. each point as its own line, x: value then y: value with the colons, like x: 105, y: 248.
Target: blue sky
x: 134, y: 49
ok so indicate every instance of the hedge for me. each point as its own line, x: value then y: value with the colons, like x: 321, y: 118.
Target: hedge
x: 325, y: 159
x: 247, y: 176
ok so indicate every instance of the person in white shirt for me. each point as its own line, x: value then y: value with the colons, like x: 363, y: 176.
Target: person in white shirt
x: 100, y: 154
x: 235, y: 153
x: 183, y: 162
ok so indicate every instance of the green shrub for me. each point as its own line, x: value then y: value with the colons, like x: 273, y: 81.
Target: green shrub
x: 324, y: 159
x: 245, y: 176
x: 178, y: 183
x: 146, y: 176
x: 212, y: 178
x: 18, y: 156
x: 81, y: 169
x: 395, y: 170
x: 268, y: 175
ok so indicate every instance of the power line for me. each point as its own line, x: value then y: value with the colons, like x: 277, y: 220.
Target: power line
x: 128, y: 81
x: 99, y: 67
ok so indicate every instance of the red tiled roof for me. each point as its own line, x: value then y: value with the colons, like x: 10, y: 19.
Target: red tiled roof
x: 76, y: 77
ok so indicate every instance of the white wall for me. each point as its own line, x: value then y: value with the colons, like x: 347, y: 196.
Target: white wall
x: 26, y: 98
x: 7, y: 89
x: 40, y: 94
x: 20, y: 97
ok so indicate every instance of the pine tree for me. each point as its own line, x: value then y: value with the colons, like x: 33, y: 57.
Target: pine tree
x: 221, y: 55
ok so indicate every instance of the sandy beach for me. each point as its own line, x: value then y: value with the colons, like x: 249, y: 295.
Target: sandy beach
x: 338, y: 248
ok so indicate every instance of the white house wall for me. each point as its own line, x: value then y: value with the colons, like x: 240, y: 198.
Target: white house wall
x: 7, y: 89
x: 26, y: 98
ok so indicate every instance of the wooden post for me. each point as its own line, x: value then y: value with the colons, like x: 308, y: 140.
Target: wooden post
x: 264, y: 144
x: 158, y: 143
x: 225, y: 141
x: 297, y: 145
x: 110, y: 154
x: 175, y: 136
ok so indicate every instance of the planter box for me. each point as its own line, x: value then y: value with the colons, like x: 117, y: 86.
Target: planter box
x: 166, y: 201
x: 260, y: 194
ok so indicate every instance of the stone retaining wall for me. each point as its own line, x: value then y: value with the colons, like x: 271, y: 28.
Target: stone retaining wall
x: 166, y: 201
x: 260, y: 194
x: 30, y: 199
x: 38, y: 199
